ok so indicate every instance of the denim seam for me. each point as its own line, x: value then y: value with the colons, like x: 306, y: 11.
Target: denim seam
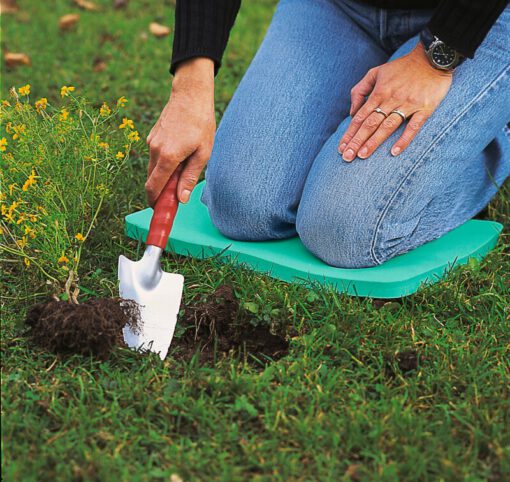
x: 420, y: 160
x: 383, y: 26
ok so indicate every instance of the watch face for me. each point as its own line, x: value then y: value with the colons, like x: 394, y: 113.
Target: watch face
x: 442, y: 55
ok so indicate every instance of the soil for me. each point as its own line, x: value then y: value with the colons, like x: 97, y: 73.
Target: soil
x: 92, y: 327
x: 407, y: 361
x: 216, y: 327
x: 379, y: 303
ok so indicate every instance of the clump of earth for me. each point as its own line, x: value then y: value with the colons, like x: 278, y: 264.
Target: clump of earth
x: 93, y: 327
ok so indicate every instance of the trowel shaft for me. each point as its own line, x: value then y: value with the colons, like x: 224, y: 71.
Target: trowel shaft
x: 165, y: 210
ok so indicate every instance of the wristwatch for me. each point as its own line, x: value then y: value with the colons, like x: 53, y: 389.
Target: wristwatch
x: 440, y: 55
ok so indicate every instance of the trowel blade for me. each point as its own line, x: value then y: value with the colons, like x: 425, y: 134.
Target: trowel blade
x: 159, y: 300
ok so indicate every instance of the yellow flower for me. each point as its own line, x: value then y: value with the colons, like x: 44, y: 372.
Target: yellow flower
x: 31, y: 181
x: 22, y: 217
x: 22, y: 242
x: 66, y: 89
x: 122, y: 101
x: 104, y: 145
x: 134, y: 136
x: 11, y: 187
x: 9, y: 128
x: 27, y: 262
x: 63, y: 259
x: 5, y: 103
x: 41, y: 104
x: 127, y: 123
x: 64, y: 115
x: 14, y: 205
x: 25, y: 90
x: 105, y: 110
x: 30, y: 231
x: 119, y: 155
x: 19, y: 130
x: 3, y: 144
x: 80, y: 237
x: 32, y: 217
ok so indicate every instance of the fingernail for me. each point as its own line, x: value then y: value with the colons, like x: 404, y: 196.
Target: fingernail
x: 396, y: 151
x: 343, y: 145
x: 363, y: 152
x: 185, y: 195
x: 348, y: 155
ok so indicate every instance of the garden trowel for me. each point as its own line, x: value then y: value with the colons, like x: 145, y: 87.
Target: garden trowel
x: 157, y: 293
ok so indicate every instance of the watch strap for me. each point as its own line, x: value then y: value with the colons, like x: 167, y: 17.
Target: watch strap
x: 426, y: 38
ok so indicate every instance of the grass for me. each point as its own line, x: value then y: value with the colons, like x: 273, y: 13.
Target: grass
x: 417, y: 390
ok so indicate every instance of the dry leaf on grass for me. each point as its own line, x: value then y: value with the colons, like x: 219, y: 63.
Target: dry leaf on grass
x: 99, y: 64
x: 106, y: 37
x: 352, y: 472
x: 67, y: 22
x: 13, y: 59
x: 158, y: 30
x: 8, y: 6
x: 86, y: 5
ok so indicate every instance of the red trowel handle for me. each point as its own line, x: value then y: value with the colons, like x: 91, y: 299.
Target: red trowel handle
x: 164, y: 212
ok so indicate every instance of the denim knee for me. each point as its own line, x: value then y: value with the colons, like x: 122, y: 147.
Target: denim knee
x: 339, y: 238
x: 242, y: 208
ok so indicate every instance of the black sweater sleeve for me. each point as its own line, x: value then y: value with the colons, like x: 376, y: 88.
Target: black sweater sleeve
x: 463, y: 24
x: 202, y: 28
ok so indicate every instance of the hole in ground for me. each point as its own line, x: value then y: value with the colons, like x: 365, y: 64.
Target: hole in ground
x: 215, y: 327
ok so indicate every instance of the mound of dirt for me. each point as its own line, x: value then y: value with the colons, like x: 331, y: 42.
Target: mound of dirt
x: 93, y: 327
x: 214, y: 326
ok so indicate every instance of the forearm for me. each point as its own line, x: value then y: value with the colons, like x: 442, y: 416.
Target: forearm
x: 195, y: 77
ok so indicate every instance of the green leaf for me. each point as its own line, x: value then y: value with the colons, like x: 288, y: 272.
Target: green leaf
x: 251, y: 307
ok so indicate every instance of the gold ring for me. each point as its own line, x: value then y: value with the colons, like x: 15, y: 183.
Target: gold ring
x: 380, y: 111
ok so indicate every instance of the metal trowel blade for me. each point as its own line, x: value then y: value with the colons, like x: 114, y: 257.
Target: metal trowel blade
x: 159, y: 297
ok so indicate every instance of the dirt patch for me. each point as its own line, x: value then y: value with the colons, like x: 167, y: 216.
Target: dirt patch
x: 406, y: 361
x: 391, y: 304
x: 215, y: 327
x: 92, y: 327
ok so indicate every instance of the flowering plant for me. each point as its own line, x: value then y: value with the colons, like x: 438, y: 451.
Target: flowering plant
x: 59, y: 164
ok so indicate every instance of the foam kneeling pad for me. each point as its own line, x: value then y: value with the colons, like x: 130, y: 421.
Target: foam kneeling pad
x: 194, y: 234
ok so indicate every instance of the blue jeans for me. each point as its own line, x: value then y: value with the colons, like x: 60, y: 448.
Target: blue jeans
x: 275, y: 171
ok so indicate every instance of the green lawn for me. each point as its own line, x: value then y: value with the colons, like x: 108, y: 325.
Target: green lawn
x: 417, y: 389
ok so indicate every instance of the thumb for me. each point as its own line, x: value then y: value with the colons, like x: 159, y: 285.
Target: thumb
x: 362, y: 89
x: 190, y: 174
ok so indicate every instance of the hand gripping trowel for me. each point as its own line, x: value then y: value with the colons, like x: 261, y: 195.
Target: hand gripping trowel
x: 158, y: 293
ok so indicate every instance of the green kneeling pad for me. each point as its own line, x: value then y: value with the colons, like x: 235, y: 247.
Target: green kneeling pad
x: 193, y: 234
